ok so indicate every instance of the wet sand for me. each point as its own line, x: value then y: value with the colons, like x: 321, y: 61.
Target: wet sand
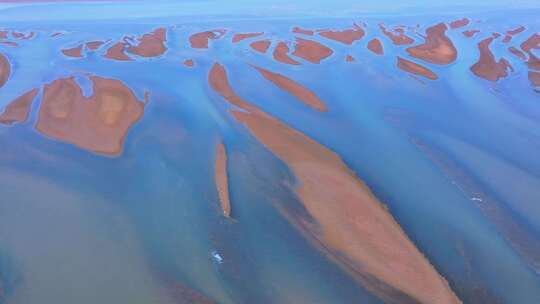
x: 94, y: 45
x: 534, y: 78
x: 516, y: 52
x: 302, y: 31
x: 459, y: 23
x: 375, y: 46
x: 281, y: 54
x: 116, y: 52
x: 74, y: 52
x: 18, y: 110
x: 261, y: 46
x: 311, y: 51
x: 189, y: 63
x: 221, y: 179
x: 470, y: 33
x: 5, y: 70
x: 415, y: 68
x: 437, y: 48
x: 486, y: 67
x: 348, y: 36
x: 396, y: 35
x: 358, y: 233
x: 349, y: 58
x: 98, y: 123
x: 292, y: 87
x: 511, y: 33
x: 151, y: 44
x: 239, y: 37
x: 201, y: 40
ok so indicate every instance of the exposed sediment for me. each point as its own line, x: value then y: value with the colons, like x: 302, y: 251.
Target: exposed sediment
x: 348, y: 36
x: 18, y: 110
x: 375, y: 46
x: 281, y: 54
x: 516, y: 52
x: 117, y: 52
x: 239, y: 37
x: 396, y: 35
x: 415, y: 68
x: 437, y: 48
x: 98, y: 123
x: 311, y: 51
x: 292, y: 87
x: 201, y: 40
x: 534, y: 78
x: 511, y: 33
x: 459, y: 23
x: 470, y: 33
x: 302, y: 31
x: 189, y: 63
x: 347, y: 222
x: 261, y: 46
x: 74, y: 52
x: 221, y: 179
x: 5, y: 70
x: 487, y: 67
x: 151, y: 44
x: 94, y: 45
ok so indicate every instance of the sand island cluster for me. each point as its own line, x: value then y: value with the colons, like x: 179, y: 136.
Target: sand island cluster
x: 358, y: 235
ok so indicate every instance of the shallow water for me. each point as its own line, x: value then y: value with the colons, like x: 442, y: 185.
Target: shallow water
x: 454, y: 161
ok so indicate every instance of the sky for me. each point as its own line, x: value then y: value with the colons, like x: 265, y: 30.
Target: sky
x: 39, y: 10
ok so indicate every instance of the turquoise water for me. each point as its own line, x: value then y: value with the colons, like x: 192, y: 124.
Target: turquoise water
x: 76, y: 227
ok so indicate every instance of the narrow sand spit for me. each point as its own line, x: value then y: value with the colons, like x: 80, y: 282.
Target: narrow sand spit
x: 221, y: 179
x: 239, y: 37
x: 415, y: 68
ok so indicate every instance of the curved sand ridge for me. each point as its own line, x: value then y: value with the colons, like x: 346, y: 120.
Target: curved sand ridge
x: 396, y: 35
x: 5, y: 70
x: 18, y: 110
x: 151, y: 44
x: 98, y: 123
x: 470, y: 33
x: 221, y: 179
x: 201, y: 40
x: 281, y: 54
x: 415, y: 68
x: 311, y: 51
x: 351, y: 225
x: 437, y: 48
x: 292, y: 87
x: 487, y: 67
x: 348, y: 36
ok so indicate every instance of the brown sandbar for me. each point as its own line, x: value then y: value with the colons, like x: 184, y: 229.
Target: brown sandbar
x: 437, y: 48
x: 470, y: 33
x: 534, y: 78
x: 98, y: 123
x: 74, y: 52
x: 221, y: 179
x: 281, y: 52
x: 189, y: 62
x: 294, y: 88
x: 487, y: 67
x: 302, y: 31
x: 415, y: 68
x: 201, y: 40
x: 346, y: 222
x: 348, y: 36
x: 261, y: 46
x: 5, y: 70
x: 396, y: 35
x: 375, y: 46
x: 150, y: 44
x: 239, y: 37
x: 18, y: 110
x: 311, y: 51
x: 459, y: 23
x: 117, y: 52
